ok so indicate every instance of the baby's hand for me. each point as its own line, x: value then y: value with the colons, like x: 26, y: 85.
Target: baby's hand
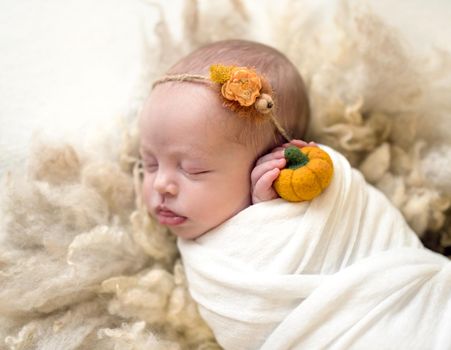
x: 299, y: 143
x: 267, y: 169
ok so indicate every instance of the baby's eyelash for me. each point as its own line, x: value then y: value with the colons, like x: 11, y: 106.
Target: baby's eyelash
x: 150, y: 166
x: 200, y: 172
x: 192, y: 172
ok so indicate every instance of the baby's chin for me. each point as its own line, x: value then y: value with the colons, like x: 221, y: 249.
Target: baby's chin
x: 190, y: 233
x: 187, y: 233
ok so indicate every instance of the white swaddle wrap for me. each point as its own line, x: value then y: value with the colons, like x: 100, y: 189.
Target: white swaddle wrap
x: 343, y: 271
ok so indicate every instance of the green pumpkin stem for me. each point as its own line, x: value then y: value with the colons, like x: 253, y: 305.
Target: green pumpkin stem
x: 295, y: 158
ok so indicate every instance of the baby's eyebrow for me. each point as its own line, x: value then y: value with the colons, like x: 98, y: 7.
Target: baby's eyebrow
x: 193, y: 156
x: 192, y: 153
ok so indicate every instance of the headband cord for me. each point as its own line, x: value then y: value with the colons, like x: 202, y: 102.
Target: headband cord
x: 223, y: 79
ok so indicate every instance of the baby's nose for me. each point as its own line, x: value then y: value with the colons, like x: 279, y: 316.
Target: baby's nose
x: 164, y: 185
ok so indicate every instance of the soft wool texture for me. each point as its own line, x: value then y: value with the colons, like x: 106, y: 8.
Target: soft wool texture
x: 82, y: 266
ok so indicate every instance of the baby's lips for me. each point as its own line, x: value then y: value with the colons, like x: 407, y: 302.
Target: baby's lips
x: 169, y: 218
x: 161, y: 210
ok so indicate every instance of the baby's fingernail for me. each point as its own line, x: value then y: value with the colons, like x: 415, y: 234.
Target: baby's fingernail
x: 278, y: 155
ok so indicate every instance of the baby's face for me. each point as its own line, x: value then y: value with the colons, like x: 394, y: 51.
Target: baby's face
x: 195, y: 177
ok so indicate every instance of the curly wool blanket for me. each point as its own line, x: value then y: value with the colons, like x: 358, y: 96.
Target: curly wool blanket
x: 343, y: 271
x: 82, y: 266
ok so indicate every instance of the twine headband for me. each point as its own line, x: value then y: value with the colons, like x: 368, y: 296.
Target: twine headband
x: 243, y: 90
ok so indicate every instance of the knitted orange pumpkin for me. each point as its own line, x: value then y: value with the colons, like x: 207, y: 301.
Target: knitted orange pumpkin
x: 308, y: 172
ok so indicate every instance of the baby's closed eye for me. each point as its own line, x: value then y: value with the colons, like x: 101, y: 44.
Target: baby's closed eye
x: 195, y: 166
x: 150, y: 165
x: 196, y: 171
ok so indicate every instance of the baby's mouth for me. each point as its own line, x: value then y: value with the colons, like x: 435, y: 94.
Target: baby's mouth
x: 168, y: 217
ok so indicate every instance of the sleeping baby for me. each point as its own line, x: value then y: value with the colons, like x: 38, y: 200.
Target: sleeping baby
x: 341, y: 271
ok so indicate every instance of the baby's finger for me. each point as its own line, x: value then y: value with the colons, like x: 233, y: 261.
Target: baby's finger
x: 278, y: 154
x: 265, y: 167
x: 289, y: 144
x: 278, y: 148
x: 301, y: 143
x: 263, y: 190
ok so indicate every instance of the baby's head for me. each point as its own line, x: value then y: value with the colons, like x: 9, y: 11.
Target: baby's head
x: 197, y: 153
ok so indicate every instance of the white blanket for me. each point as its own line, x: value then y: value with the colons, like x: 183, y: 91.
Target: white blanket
x: 343, y: 271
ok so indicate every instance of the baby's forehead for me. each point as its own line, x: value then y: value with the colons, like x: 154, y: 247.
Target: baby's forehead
x: 192, y: 109
x: 201, y: 102
x: 185, y: 96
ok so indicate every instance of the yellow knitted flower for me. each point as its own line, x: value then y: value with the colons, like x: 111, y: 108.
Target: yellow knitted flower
x: 220, y: 73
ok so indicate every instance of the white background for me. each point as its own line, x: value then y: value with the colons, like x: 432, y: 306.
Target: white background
x: 68, y: 67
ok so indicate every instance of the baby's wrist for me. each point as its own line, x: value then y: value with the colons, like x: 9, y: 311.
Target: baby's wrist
x: 263, y: 198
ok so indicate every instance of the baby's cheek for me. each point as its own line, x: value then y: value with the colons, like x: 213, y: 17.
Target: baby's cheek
x: 146, y: 190
x: 236, y: 194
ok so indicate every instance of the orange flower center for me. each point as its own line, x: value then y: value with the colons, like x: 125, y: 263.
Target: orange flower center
x: 243, y: 86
